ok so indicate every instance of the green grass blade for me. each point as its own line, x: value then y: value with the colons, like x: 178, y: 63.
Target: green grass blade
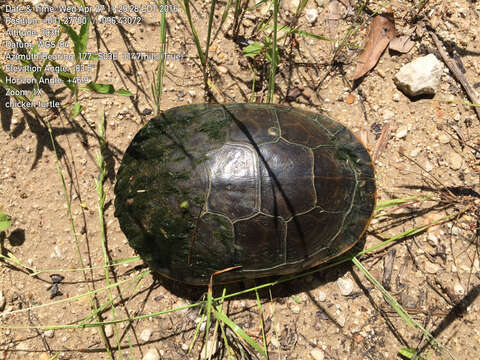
x: 186, y: 8
x: 209, y: 308
x: 224, y: 17
x: 273, y: 64
x: 394, y: 202
x: 209, y: 32
x: 300, y: 7
x: 262, y: 322
x: 158, y: 89
x: 398, y: 308
x: 221, y: 316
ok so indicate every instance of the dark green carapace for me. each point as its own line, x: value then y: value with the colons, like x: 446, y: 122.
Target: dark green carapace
x: 270, y: 188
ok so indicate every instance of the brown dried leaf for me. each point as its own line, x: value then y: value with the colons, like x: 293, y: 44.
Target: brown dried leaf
x: 401, y: 44
x: 380, y: 32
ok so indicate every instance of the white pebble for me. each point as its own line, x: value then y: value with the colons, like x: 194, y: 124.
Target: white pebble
x: 311, y: 15
x: 295, y: 309
x: 317, y: 354
x: 145, y: 335
x: 444, y: 138
x: 151, y: 354
x: 428, y: 166
x: 459, y: 290
x: 415, y: 152
x: 109, y: 330
x: 388, y: 114
x: 222, y: 69
x: 321, y: 296
x: 431, y: 268
x: 345, y: 285
x: 455, y: 161
x: 402, y: 132
x: 275, y: 342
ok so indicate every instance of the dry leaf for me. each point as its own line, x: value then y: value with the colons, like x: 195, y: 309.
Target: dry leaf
x: 401, y: 44
x: 380, y: 32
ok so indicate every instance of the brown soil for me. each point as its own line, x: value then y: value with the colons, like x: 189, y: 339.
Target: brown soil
x: 436, y: 274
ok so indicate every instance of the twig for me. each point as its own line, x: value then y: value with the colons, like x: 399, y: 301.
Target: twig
x: 457, y: 73
x: 381, y: 142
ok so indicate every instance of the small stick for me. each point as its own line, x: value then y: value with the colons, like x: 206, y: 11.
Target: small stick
x: 381, y: 142
x: 457, y: 73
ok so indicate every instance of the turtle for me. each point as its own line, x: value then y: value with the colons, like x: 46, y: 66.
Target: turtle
x: 261, y: 189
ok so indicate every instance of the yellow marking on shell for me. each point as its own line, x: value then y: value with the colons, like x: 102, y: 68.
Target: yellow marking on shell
x: 273, y: 131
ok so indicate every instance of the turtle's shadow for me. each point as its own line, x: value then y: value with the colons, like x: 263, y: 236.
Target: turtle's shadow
x: 283, y: 287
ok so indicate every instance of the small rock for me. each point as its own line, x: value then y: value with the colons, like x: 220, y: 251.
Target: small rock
x: 3, y: 301
x: 151, y: 354
x: 444, y: 138
x: 44, y: 356
x: 458, y: 289
x: 415, y: 152
x: 222, y: 69
x: 311, y: 15
x: 401, y: 132
x: 432, y: 238
x: 317, y: 354
x: 49, y: 333
x: 420, y: 77
x: 350, y: 99
x: 145, y: 335
x: 345, y: 285
x: 455, y: 161
x: 388, y: 114
x: 275, y: 342
x: 428, y: 166
x: 294, y: 93
x: 321, y: 296
x: 431, y: 268
x: 408, y: 301
x: 396, y: 97
x: 455, y: 230
x: 58, y: 253
x: 109, y: 330
x: 295, y: 309
x: 341, y: 320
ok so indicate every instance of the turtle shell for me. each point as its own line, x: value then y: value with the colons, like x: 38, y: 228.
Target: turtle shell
x: 270, y: 189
